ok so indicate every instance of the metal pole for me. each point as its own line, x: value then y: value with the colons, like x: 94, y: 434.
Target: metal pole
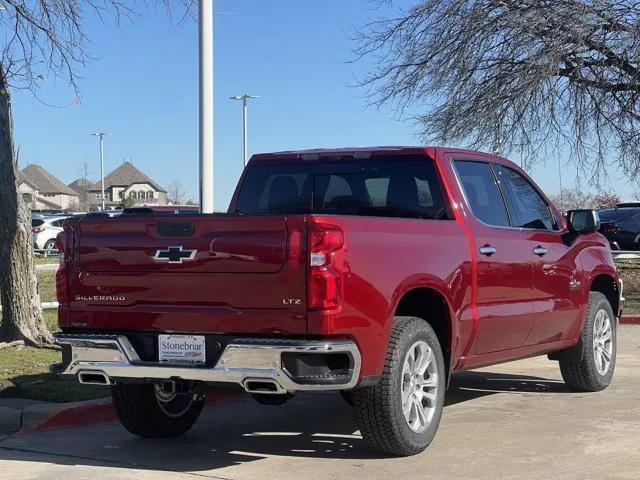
x: 102, y: 167
x: 244, y: 130
x: 206, y: 105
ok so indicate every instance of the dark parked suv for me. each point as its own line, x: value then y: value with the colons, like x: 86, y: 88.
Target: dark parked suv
x: 621, y: 226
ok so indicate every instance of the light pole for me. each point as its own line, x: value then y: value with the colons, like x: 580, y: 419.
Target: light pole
x: 205, y: 35
x: 245, y: 111
x: 101, y: 135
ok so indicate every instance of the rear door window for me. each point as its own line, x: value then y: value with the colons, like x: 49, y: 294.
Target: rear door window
x: 36, y: 222
x: 409, y: 188
x: 526, y: 206
x: 482, y: 192
x: 59, y: 223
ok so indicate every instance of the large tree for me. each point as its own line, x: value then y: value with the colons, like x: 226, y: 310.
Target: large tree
x: 40, y: 39
x: 515, y: 75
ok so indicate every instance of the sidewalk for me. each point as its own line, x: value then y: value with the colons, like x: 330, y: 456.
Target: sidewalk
x: 516, y: 420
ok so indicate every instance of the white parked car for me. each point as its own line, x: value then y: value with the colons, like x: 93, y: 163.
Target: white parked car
x: 45, y: 230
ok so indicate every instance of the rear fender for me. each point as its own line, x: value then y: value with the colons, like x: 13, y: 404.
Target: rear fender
x: 435, y: 284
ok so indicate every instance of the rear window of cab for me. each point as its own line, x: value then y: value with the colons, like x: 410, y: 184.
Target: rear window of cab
x: 408, y: 187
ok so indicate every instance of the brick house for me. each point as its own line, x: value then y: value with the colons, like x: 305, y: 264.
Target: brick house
x: 126, y: 181
x: 43, y: 191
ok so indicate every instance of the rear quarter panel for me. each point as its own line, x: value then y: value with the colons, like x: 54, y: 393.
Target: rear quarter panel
x: 383, y: 259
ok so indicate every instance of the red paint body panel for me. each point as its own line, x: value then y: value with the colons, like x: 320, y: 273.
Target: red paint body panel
x: 250, y: 274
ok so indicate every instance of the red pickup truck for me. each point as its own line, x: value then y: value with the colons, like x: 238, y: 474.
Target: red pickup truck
x: 377, y: 272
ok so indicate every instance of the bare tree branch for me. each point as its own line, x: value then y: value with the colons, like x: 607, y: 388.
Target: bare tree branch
x: 39, y: 38
x: 529, y: 76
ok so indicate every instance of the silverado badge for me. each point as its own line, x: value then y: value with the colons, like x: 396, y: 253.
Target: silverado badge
x: 175, y: 255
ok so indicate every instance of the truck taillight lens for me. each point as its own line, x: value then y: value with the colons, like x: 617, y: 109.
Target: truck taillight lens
x: 62, y: 290
x: 325, y: 279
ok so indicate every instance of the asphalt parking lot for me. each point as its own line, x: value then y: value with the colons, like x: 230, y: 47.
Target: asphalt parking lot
x: 510, y: 421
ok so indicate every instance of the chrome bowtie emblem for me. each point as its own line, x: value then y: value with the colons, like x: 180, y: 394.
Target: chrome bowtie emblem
x: 175, y: 255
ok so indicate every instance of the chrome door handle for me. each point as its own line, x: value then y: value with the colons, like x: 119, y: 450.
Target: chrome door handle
x: 540, y: 251
x: 487, y: 250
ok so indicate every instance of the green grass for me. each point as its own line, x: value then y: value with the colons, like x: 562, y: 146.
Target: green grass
x: 46, y: 260
x: 47, y: 285
x: 24, y: 373
x: 51, y: 319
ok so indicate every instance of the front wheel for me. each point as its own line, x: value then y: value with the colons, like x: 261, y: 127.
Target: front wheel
x: 400, y: 415
x: 148, y: 411
x: 594, y: 371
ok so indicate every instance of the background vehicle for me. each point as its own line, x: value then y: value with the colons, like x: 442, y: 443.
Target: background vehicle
x: 621, y: 226
x: 172, y: 209
x: 45, y: 230
x: 104, y: 214
x: 375, y: 272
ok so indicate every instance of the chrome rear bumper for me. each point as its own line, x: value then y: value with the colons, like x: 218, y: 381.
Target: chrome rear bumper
x: 243, y: 362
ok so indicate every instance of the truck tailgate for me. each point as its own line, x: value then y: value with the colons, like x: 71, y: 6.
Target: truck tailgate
x: 201, y: 273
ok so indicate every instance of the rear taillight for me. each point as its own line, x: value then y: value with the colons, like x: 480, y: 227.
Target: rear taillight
x: 62, y: 290
x: 325, y: 279
x: 35, y: 230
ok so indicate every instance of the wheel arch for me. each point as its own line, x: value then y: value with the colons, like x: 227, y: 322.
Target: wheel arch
x: 607, y: 285
x: 431, y: 305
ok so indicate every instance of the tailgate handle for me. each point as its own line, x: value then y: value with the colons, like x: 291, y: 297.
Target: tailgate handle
x: 176, y: 229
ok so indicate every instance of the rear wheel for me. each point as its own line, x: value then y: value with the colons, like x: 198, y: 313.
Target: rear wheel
x: 50, y: 245
x: 594, y: 371
x: 149, y: 411
x: 400, y: 415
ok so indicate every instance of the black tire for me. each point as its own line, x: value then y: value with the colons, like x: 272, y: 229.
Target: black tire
x: 378, y: 409
x: 50, y: 245
x: 584, y: 375
x: 141, y: 411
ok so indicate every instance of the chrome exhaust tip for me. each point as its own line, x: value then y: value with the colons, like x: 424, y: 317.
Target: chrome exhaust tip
x: 94, y: 378
x: 263, y: 386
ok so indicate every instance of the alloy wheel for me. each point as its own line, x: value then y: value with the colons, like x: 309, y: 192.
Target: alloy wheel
x: 419, y: 386
x: 602, y: 342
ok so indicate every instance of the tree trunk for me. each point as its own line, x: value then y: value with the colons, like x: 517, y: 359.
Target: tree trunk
x: 21, y: 310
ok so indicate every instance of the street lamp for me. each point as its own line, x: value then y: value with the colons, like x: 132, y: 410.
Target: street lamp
x: 101, y: 135
x: 244, y: 99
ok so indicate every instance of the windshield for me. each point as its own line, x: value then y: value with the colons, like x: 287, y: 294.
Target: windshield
x: 391, y: 188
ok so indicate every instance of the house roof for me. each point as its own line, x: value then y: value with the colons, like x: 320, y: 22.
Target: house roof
x: 49, y: 204
x: 43, y: 181
x: 81, y: 184
x: 123, y: 176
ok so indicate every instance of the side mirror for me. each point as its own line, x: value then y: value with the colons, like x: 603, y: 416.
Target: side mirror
x: 583, y: 221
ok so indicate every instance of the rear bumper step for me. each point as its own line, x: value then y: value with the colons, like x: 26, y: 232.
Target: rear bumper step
x: 283, y: 366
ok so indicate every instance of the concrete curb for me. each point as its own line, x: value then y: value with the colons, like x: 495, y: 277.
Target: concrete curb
x: 47, y: 267
x: 54, y: 416
x: 10, y: 420
x: 48, y: 416
x: 630, y: 320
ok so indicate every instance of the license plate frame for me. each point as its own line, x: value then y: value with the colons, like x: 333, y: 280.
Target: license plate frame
x: 185, y: 350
